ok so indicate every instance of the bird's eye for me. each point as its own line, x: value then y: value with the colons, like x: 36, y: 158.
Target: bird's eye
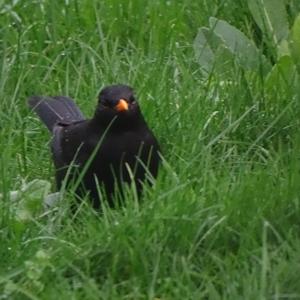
x: 132, y: 99
x: 104, y: 103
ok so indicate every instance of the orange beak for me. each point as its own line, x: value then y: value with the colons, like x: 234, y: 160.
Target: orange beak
x: 122, y: 105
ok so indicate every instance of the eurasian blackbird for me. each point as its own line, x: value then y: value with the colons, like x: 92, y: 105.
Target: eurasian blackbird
x: 114, y: 147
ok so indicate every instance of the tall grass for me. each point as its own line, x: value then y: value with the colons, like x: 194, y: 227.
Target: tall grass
x: 222, y: 220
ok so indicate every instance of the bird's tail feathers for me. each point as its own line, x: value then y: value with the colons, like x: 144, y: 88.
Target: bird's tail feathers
x: 53, y: 110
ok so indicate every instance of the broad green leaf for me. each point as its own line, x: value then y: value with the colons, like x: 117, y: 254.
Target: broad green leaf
x: 295, y: 42
x: 283, y: 49
x: 283, y: 74
x: 245, y: 51
x: 204, y: 53
x: 208, y: 46
x: 29, y: 200
x: 211, y: 52
x: 36, y: 189
x: 33, y: 194
x: 271, y: 17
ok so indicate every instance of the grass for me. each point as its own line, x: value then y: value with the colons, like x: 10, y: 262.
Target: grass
x: 221, y: 222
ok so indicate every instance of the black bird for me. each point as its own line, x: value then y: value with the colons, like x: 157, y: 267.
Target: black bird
x: 114, y: 147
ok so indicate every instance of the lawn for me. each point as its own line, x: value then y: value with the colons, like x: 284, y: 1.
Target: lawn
x: 222, y: 220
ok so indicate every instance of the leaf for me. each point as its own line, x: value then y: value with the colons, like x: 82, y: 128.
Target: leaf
x: 283, y: 74
x: 203, y: 51
x: 33, y: 194
x: 283, y: 49
x: 271, y: 17
x: 36, y: 189
x: 211, y: 52
x: 208, y: 48
x: 219, y: 45
x: 295, y: 42
x: 28, y: 201
x: 240, y: 45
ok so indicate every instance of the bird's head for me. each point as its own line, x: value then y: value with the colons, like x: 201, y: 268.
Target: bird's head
x: 117, y: 101
x: 119, y: 98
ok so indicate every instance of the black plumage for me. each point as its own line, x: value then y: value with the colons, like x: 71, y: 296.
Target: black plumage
x: 114, y: 147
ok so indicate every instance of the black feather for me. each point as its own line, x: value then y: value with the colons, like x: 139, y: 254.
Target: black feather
x: 113, y: 147
x: 53, y: 110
